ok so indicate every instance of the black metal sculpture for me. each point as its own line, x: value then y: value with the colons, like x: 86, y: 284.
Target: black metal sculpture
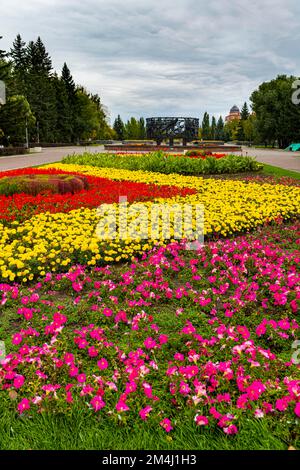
x: 161, y: 128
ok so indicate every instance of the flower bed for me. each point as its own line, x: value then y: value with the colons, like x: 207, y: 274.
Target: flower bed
x: 21, y: 206
x: 203, y: 337
x: 58, y: 237
x: 167, y: 164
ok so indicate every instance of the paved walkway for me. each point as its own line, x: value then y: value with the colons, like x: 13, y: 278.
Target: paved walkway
x: 286, y: 160
x: 48, y: 155
x: 280, y: 158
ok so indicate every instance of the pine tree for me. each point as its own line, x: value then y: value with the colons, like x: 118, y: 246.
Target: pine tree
x: 119, y: 128
x: 206, y: 131
x: 40, y: 90
x: 68, y: 81
x: 245, y: 112
x: 43, y: 60
x: 19, y: 59
x: 240, y: 131
x: 4, y: 66
x: 213, y: 131
x: 220, y: 129
x: 132, y: 129
x: 143, y: 133
x: 63, y: 128
x: 70, y: 88
x: 18, y: 54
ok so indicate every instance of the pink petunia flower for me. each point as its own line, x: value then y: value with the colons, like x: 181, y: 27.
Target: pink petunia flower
x: 97, y: 403
x: 121, y: 406
x: 81, y: 378
x: 231, y: 430
x: 149, y: 343
x: 17, y: 339
x: 102, y: 364
x: 144, y: 413
x: 166, y: 424
x: 201, y: 420
x: 297, y: 409
x: 19, y: 381
x: 23, y: 405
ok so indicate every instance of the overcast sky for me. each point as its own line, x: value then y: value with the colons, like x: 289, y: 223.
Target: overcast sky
x: 163, y: 57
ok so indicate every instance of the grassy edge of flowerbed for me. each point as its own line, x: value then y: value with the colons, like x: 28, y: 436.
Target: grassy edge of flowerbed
x: 277, y: 171
x: 83, y: 430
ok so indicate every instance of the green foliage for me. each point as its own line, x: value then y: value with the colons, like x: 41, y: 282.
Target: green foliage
x: 220, y: 129
x: 4, y: 65
x: 231, y: 130
x: 245, y: 112
x: 119, y: 128
x: 213, y: 129
x: 13, y: 118
x: 278, y: 118
x: 56, y: 103
x: 132, y: 129
x: 240, y: 135
x: 250, y: 128
x: 206, y: 131
x: 167, y: 164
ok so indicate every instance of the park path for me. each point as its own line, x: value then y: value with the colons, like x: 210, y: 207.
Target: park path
x: 280, y: 158
x: 48, y: 155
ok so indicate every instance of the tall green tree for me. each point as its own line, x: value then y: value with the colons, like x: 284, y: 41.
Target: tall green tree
x: 250, y: 129
x: 143, y: 133
x: 14, y: 117
x: 240, y: 135
x: 213, y: 129
x: 64, y: 115
x: 4, y: 65
x: 206, y: 131
x: 220, y: 129
x: 59, y: 111
x: 119, y: 128
x: 103, y: 129
x: 68, y: 82
x: 19, y: 62
x: 132, y: 129
x: 231, y: 130
x: 40, y: 90
x: 245, y: 112
x: 278, y: 118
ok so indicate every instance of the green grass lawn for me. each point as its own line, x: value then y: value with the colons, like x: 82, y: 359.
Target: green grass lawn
x: 276, y: 171
x: 84, y: 431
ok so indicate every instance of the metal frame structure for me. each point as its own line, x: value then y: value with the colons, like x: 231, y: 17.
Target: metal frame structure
x: 162, y: 128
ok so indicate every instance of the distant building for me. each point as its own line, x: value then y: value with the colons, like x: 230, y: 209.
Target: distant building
x: 233, y: 114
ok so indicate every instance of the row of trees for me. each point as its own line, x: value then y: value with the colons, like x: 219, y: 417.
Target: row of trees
x: 211, y: 129
x: 133, y: 129
x: 51, y: 107
x: 275, y: 116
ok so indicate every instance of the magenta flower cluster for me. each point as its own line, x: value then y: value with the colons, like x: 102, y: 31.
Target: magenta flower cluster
x: 205, y: 337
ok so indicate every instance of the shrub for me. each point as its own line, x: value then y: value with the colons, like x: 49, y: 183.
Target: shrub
x: 159, y: 162
x: 197, y: 153
x: 36, y: 184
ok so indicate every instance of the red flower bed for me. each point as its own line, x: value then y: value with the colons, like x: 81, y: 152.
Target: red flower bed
x: 203, y: 157
x: 101, y: 191
x: 207, y: 154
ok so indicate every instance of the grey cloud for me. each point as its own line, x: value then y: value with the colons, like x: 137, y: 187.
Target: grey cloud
x: 151, y: 57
